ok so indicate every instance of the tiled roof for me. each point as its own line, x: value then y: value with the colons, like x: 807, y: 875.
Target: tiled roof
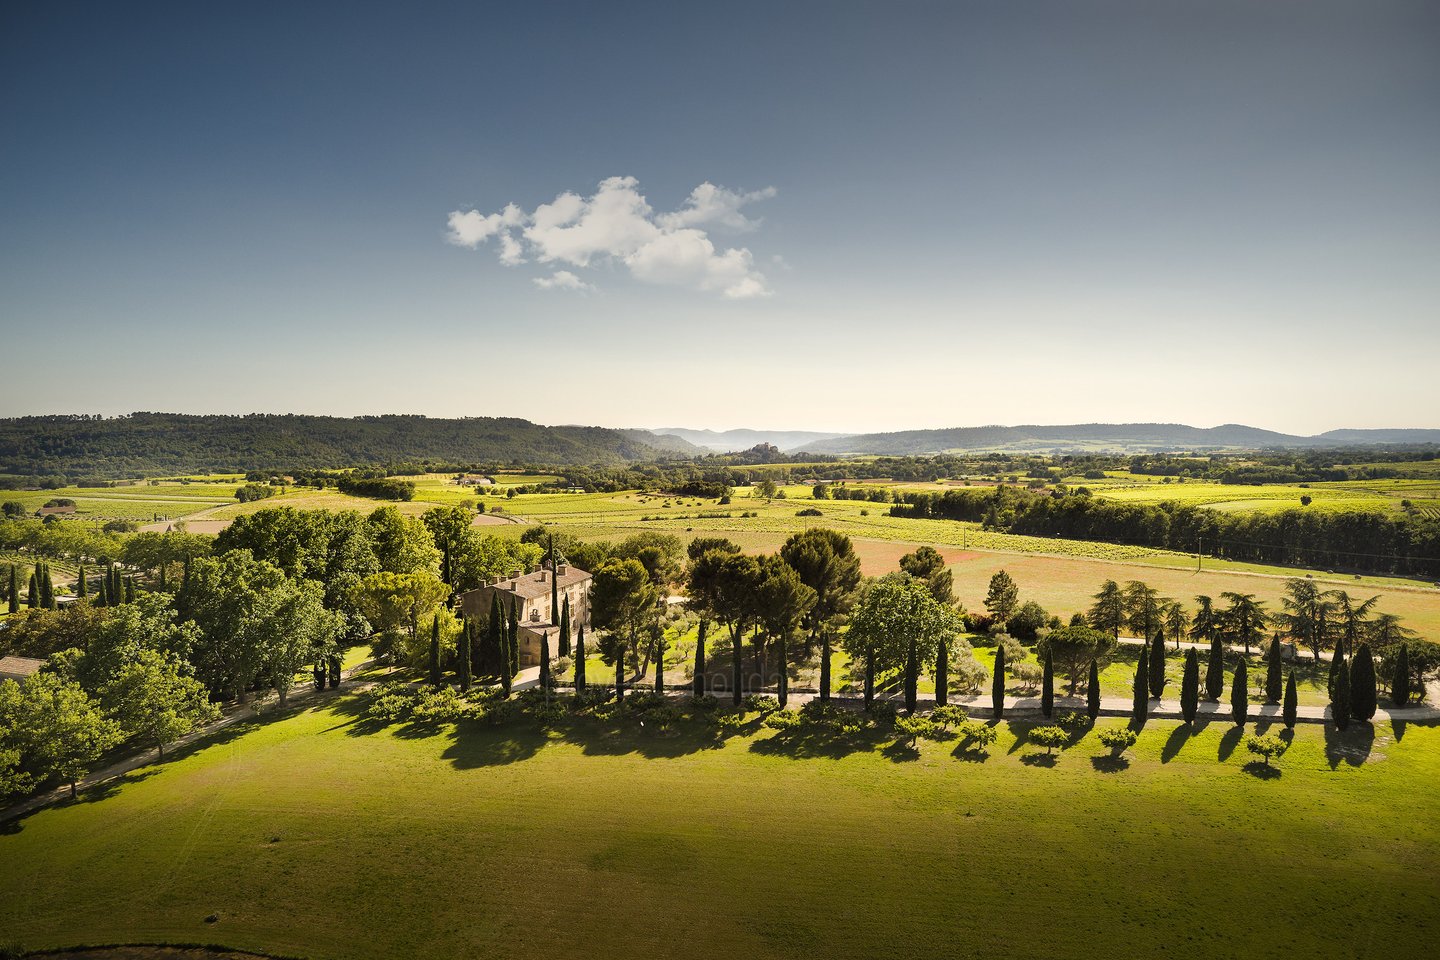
x: 20, y: 666
x: 533, y: 586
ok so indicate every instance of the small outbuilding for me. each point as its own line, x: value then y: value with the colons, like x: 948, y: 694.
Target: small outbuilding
x: 19, y: 668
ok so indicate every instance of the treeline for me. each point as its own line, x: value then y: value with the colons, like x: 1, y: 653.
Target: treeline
x: 1369, y: 541
x: 36, y: 450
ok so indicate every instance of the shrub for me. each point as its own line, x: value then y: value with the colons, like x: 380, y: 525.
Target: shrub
x: 783, y: 720
x: 392, y: 702
x: 1268, y: 747
x: 947, y: 716
x: 1028, y: 675
x: 1072, y: 720
x: 760, y: 704
x: 979, y: 735
x: 1049, y: 738
x: 968, y: 675
x: 809, y: 512
x: 730, y: 719
x: 882, y: 711
x: 1118, y: 739
x: 911, y: 729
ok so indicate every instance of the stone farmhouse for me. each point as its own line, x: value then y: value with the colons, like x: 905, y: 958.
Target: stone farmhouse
x: 532, y: 595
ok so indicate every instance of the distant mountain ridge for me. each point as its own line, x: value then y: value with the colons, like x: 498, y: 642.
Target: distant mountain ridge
x: 1102, y: 438
x: 150, y: 444
x: 729, y: 441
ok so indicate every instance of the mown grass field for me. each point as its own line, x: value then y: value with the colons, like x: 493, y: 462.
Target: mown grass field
x: 316, y: 835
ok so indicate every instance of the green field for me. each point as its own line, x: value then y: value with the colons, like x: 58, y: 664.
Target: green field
x: 318, y: 835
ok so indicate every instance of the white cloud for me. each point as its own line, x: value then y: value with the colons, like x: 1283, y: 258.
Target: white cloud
x: 617, y: 225
x: 709, y: 204
x: 562, y: 280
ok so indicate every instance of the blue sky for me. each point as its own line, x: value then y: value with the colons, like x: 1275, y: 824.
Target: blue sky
x: 910, y: 214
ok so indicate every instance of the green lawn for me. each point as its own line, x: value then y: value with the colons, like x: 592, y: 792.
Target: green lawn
x: 316, y: 835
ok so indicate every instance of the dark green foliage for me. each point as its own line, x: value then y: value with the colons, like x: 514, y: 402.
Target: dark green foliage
x: 1092, y: 691
x: 565, y: 628
x: 1399, y: 680
x: 545, y: 660
x: 580, y: 660
x: 463, y: 648
x: 869, y: 678
x: 735, y: 677
x: 321, y: 674
x: 14, y: 598
x: 997, y: 684
x: 1190, y: 686
x: 620, y: 674
x: 1157, y: 666
x: 1047, y: 687
x: 699, y: 682
x: 782, y: 692
x: 1336, y: 659
x: 149, y: 444
x: 496, y: 631
x: 942, y: 674
x: 1140, y: 694
x: 82, y: 590
x: 1363, y: 694
x: 1340, y: 695
x: 435, y: 651
x: 825, y: 668
x: 912, y: 670
x: 1273, y: 672
x: 1240, y: 695
x: 513, y: 648
x: 32, y: 595
x: 1292, y: 702
x: 1215, y: 671
x: 335, y: 662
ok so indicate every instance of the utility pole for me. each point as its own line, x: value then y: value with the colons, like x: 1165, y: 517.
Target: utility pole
x: 1199, y: 541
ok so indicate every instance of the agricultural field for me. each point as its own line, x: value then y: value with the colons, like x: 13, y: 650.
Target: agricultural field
x: 605, y: 838
x: 1357, y: 495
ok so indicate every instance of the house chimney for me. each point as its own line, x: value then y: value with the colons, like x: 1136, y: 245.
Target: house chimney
x: 560, y: 570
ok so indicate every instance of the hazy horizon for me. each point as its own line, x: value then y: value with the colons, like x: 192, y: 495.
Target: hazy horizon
x: 843, y: 217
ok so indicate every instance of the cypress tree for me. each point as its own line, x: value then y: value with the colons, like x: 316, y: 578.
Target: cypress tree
x: 47, y: 585
x: 1215, y: 671
x: 580, y: 660
x: 14, y: 589
x: 32, y: 596
x: 1399, y: 679
x: 320, y: 674
x: 997, y: 684
x: 514, y: 663
x: 335, y: 671
x: 1272, y: 672
x: 735, y: 679
x: 1140, y: 694
x: 1363, y: 695
x: 1190, y: 687
x: 506, y: 679
x: 435, y: 651
x: 869, y: 677
x: 1336, y: 659
x: 699, y: 682
x: 467, y: 637
x: 825, y: 667
x: 495, y: 633
x: 1157, y: 666
x: 1092, y: 692
x: 81, y: 590
x: 129, y: 589
x: 545, y: 662
x: 1047, y: 687
x: 1240, y: 695
x: 942, y: 674
x: 782, y: 689
x: 912, y: 669
x: 1340, y: 697
x: 1292, y: 702
x: 565, y: 628
x: 620, y: 675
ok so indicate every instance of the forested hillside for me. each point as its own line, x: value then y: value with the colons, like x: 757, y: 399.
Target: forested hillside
x: 158, y: 443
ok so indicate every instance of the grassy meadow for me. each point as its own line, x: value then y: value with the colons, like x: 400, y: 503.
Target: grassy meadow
x: 320, y: 835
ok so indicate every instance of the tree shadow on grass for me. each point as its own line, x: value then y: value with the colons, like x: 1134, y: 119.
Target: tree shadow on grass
x: 1350, y: 746
x: 1177, y: 739
x: 1046, y: 760
x: 481, y: 745
x: 1109, y: 763
x: 1229, y: 742
x: 970, y: 753
x: 1021, y: 731
x: 898, y: 751
x: 815, y: 741
x: 1261, y: 771
x: 1263, y: 724
x: 1399, y: 727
